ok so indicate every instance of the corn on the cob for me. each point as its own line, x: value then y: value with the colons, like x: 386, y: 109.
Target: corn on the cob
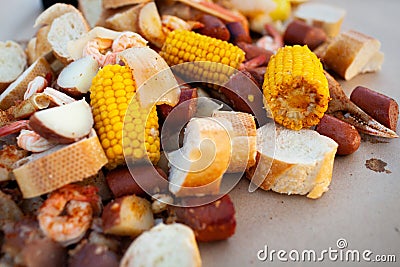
x: 216, y: 59
x: 112, y: 99
x: 295, y: 87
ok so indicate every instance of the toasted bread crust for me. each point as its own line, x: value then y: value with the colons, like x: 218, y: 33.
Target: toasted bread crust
x: 279, y: 172
x: 69, y: 164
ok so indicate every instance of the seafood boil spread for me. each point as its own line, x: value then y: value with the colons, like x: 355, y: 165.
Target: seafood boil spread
x: 124, y: 124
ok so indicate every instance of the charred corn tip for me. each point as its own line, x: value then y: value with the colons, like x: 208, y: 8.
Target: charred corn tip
x: 295, y: 87
x: 111, y: 93
x: 182, y: 46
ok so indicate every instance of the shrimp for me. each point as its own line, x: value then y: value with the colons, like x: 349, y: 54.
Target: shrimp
x: 67, y: 214
x: 99, y: 50
x: 104, y: 51
x: 33, y: 142
x: 170, y: 23
x: 127, y: 40
x: 272, y: 41
x: 37, y: 85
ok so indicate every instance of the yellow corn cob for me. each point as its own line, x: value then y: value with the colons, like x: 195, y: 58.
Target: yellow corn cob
x: 182, y: 46
x: 295, y: 87
x: 112, y: 98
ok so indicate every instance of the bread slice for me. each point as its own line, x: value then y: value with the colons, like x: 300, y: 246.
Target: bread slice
x: 293, y: 162
x: 13, y: 61
x: 16, y: 90
x: 53, y: 12
x: 164, y: 245
x: 126, y: 20
x: 121, y: 3
x: 242, y: 132
x: 351, y: 53
x: 65, y: 28
x: 324, y: 16
x: 59, y: 166
x: 91, y: 10
x: 30, y: 50
x: 42, y: 46
x: 197, y: 168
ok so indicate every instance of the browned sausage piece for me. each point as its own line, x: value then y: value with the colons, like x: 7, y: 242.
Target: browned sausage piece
x: 238, y: 33
x: 213, y: 27
x: 380, y: 107
x: 121, y: 181
x: 299, y: 32
x: 341, y: 132
x: 210, y: 222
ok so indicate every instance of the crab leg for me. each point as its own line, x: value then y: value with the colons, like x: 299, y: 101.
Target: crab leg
x: 14, y: 127
x: 341, y: 107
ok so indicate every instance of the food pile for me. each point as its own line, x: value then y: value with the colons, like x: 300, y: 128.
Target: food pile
x: 121, y: 122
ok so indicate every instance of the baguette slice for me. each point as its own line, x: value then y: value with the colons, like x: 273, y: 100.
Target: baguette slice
x: 293, y: 162
x: 61, y: 165
x: 53, y: 12
x: 16, y: 90
x: 164, y: 245
x: 197, y: 168
x: 324, y: 16
x: 68, y: 27
x: 121, y: 3
x: 13, y: 61
x: 126, y: 20
x: 91, y: 10
x: 31, y: 51
x: 351, y: 53
x: 42, y: 46
x: 242, y: 132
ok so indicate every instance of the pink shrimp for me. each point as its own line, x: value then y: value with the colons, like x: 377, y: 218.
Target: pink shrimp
x: 33, y: 142
x: 78, y: 204
x: 127, y: 40
x: 37, y: 85
x: 272, y: 41
x: 99, y: 50
x: 104, y: 51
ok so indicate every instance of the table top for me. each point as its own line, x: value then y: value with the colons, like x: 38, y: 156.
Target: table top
x: 362, y: 206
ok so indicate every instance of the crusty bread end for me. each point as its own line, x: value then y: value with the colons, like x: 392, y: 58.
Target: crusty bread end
x: 293, y: 162
x: 351, y: 53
